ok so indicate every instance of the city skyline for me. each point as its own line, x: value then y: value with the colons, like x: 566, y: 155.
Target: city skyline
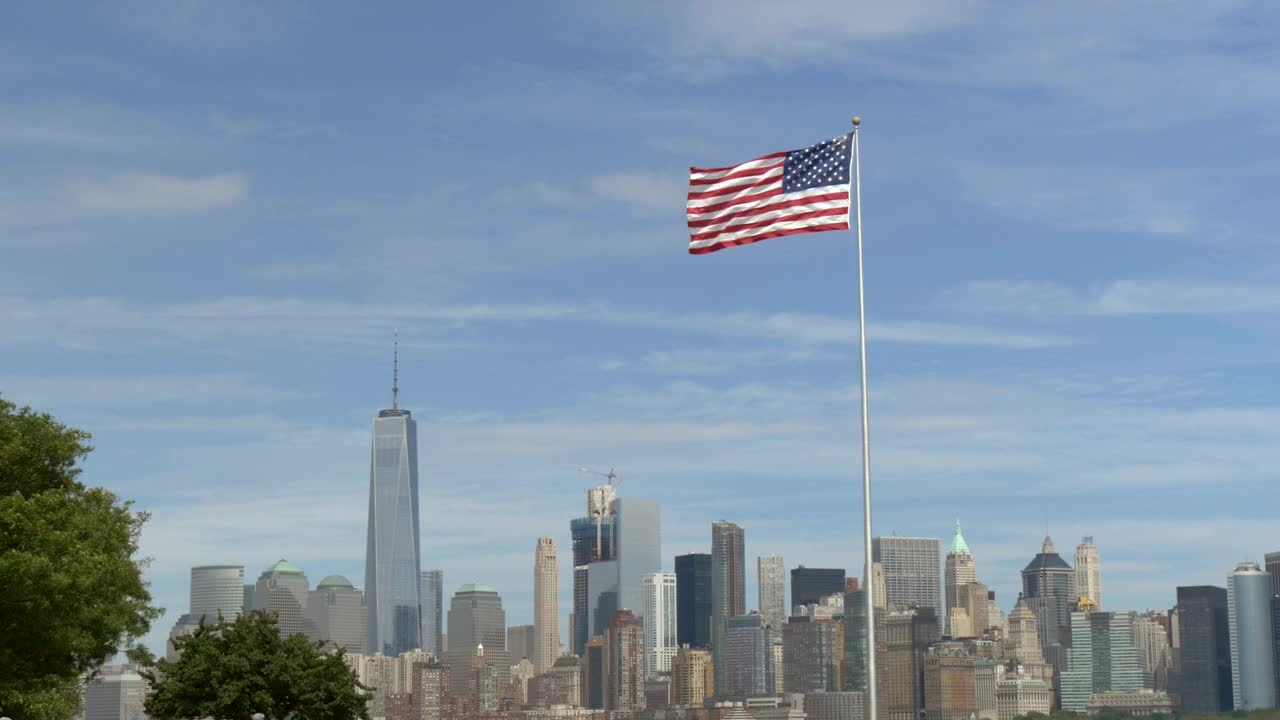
x: 1064, y: 326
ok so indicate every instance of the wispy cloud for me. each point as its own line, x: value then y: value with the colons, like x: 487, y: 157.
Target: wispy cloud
x: 645, y: 191
x: 1118, y: 299
x: 149, y: 193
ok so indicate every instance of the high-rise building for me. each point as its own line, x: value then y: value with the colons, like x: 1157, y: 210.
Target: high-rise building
x: 855, y: 641
x: 430, y: 688
x: 771, y: 581
x: 592, y: 541
x: 1089, y: 572
x: 912, y: 575
x: 217, y: 591
x: 1020, y: 694
x: 746, y: 658
x: 393, y: 571
x: 1203, y: 650
x: 901, y: 648
x: 602, y: 595
x: 476, y: 619
x: 692, y: 678
x: 1253, y: 663
x: 546, y: 605
x: 337, y: 610
x: 595, y: 670
x: 561, y: 685
x: 1151, y: 635
x: 844, y: 705
x: 1022, y: 636
x: 728, y: 588
x: 813, y: 654
x: 637, y: 535
x: 950, y: 682
x: 431, y: 588
x: 1049, y: 586
x: 282, y: 591
x: 693, y: 600
x: 659, y: 623
x: 115, y: 693
x: 624, y: 651
x: 1272, y: 563
x: 958, y: 571
x: 520, y: 641
x: 811, y: 585
x: 1102, y: 658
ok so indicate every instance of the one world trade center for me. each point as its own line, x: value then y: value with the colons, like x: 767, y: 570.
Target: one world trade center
x: 392, y: 566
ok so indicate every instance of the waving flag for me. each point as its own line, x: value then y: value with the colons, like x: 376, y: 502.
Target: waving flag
x: 785, y: 193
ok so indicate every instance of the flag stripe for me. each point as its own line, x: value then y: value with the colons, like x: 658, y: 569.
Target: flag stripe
x: 714, y: 173
x: 777, y: 219
x: 702, y: 249
x: 723, y: 201
x: 738, y: 188
x: 736, y: 174
x: 817, y: 198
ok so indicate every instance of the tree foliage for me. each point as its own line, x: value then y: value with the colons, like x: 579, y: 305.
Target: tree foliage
x: 235, y: 668
x: 74, y: 592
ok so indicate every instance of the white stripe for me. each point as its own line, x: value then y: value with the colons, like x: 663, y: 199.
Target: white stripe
x: 733, y: 182
x: 766, y: 214
x: 763, y: 203
x: 712, y: 175
x: 774, y: 186
x: 816, y: 223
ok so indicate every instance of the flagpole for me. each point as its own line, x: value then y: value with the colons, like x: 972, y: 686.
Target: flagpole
x: 869, y: 591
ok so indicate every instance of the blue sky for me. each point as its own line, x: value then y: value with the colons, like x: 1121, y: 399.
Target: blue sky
x: 214, y: 214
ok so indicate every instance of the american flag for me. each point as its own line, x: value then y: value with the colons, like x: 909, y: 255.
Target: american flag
x: 784, y: 193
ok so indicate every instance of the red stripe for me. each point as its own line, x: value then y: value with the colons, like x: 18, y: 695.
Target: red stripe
x: 844, y: 195
x: 734, y: 175
x: 730, y: 167
x: 735, y: 189
x: 738, y: 201
x: 766, y: 223
x: 765, y: 236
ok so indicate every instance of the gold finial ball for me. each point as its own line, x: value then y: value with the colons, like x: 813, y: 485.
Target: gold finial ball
x: 857, y: 121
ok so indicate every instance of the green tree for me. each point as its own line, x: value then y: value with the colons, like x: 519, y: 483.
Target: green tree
x: 235, y: 668
x: 73, y: 588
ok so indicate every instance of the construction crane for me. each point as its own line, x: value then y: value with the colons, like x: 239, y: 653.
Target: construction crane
x: 598, y: 500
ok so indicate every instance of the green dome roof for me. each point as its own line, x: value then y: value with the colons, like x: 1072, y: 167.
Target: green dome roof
x: 335, y: 581
x: 477, y: 587
x: 958, y: 545
x: 283, y: 567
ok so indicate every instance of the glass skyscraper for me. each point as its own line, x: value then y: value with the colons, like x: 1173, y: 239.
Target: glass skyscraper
x: 393, y: 572
x: 432, y: 591
x: 1203, y: 679
x: 693, y: 600
x: 1253, y: 673
x: 728, y: 589
x: 583, y: 531
x: 811, y: 585
x: 637, y: 537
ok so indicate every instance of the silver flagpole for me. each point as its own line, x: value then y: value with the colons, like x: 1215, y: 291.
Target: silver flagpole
x: 869, y: 591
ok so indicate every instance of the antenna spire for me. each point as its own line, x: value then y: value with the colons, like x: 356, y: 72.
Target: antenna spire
x: 395, y: 372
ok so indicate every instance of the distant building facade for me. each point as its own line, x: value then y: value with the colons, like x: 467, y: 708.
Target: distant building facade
x: 912, y: 572
x: 693, y: 600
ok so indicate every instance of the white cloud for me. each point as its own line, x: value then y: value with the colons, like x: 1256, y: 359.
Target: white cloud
x: 1118, y: 299
x: 147, y: 193
x: 644, y: 191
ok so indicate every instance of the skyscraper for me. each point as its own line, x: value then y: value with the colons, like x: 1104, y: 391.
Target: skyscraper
x: 1089, y: 572
x: 637, y: 536
x: 1272, y: 561
x: 811, y: 585
x: 900, y: 664
x: 282, y: 591
x: 1102, y: 658
x: 855, y: 641
x: 116, y: 693
x: 338, y: 612
x: 1049, y: 586
x: 659, y: 623
x: 392, y: 571
x: 693, y: 600
x: 432, y: 592
x: 912, y: 575
x: 1203, y: 654
x: 585, y: 535
x: 771, y: 579
x: 958, y: 571
x: 624, y: 652
x: 950, y: 682
x: 728, y: 588
x: 1253, y: 670
x: 746, y: 657
x: 813, y: 654
x: 546, y: 605
x: 692, y: 678
x: 520, y: 642
x: 476, y: 618
x: 595, y: 670
x: 217, y: 590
